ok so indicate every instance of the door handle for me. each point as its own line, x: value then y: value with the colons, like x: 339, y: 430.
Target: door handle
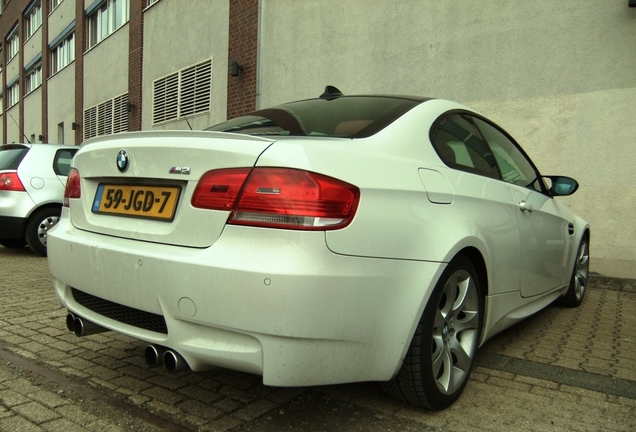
x: 526, y: 207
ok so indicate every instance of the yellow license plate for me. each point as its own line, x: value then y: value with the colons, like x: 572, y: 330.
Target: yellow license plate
x: 153, y: 202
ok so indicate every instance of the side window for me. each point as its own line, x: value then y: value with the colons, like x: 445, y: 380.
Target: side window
x: 62, y: 162
x: 460, y: 145
x: 514, y: 165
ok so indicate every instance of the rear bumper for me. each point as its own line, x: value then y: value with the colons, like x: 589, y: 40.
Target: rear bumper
x: 12, y: 227
x: 271, y: 302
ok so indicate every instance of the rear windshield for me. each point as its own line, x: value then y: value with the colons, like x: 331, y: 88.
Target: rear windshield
x: 62, y: 162
x: 11, y: 155
x: 345, y: 117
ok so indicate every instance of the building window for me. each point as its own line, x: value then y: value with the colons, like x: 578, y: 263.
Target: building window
x: 13, y: 45
x: 63, y: 54
x: 33, y: 79
x: 1, y: 105
x: 107, y: 118
x: 55, y: 3
x: 183, y: 93
x: 13, y: 94
x: 60, y: 133
x: 108, y: 17
x: 34, y: 20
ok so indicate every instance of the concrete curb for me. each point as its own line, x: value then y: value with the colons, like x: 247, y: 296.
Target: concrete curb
x: 610, y: 283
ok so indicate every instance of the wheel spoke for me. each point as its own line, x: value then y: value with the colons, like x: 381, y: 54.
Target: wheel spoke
x: 470, y: 322
x: 442, y: 367
x: 461, y: 293
x: 463, y: 359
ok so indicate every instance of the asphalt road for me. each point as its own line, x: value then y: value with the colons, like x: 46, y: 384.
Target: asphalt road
x: 563, y: 369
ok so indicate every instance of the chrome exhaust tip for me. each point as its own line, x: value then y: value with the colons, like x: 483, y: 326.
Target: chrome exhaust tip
x: 173, y: 361
x: 82, y: 327
x: 154, y: 355
x: 70, y: 322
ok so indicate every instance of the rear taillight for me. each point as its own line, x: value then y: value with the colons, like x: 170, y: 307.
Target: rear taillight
x: 11, y: 182
x: 217, y: 190
x: 278, y: 198
x: 73, y: 189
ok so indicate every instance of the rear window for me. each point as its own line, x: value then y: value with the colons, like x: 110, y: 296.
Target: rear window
x: 345, y: 117
x: 62, y: 162
x: 11, y: 155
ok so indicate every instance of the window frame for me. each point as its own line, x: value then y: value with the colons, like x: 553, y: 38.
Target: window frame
x: 13, y: 92
x: 62, y: 54
x: 13, y: 45
x: 54, y: 4
x: 102, y: 20
x: 33, y: 20
x: 32, y: 79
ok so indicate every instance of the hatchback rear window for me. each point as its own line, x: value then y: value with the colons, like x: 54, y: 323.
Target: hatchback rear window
x: 11, y: 155
x: 345, y: 117
x: 62, y: 162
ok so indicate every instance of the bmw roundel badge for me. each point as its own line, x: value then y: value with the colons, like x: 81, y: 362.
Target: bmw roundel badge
x: 122, y: 161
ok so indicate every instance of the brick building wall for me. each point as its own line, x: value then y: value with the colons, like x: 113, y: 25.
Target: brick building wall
x: 135, y: 64
x: 243, y: 48
x: 80, y: 48
x: 46, y: 72
x: 11, y: 15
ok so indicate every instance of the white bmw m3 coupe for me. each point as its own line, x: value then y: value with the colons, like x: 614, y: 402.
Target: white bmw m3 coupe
x: 329, y: 240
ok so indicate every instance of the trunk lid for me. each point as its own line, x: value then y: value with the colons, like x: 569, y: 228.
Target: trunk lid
x: 161, y: 171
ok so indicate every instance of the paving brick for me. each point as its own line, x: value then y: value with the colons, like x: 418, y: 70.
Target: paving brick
x: 61, y: 425
x: 36, y: 412
x: 254, y: 410
x: 16, y: 423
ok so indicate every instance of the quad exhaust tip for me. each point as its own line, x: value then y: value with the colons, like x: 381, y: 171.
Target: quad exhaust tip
x: 157, y: 355
x: 82, y: 327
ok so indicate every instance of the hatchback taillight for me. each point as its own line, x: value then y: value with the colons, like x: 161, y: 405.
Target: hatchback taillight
x: 73, y: 189
x: 278, y: 198
x: 11, y: 182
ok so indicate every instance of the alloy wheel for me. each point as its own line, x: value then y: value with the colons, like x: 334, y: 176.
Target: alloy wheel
x: 581, y: 271
x: 455, y: 332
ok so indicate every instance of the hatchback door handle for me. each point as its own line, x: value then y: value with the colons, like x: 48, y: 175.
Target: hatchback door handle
x: 526, y: 207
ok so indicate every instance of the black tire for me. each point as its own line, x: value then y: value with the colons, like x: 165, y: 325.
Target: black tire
x: 38, y: 226
x: 12, y: 243
x: 447, y: 335
x: 578, y: 281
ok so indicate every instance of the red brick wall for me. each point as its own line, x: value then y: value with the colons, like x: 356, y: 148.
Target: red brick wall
x: 11, y: 14
x: 135, y: 63
x: 80, y: 48
x: 45, y: 73
x: 243, y: 48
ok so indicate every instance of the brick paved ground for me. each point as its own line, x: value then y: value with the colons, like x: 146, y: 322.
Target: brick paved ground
x: 563, y: 369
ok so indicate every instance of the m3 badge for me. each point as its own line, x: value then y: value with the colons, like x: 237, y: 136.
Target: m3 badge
x: 179, y: 170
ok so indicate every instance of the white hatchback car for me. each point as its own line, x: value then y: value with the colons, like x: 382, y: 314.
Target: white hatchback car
x: 331, y: 240
x: 32, y: 180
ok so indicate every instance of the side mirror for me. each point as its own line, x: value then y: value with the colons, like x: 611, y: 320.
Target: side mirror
x: 560, y: 185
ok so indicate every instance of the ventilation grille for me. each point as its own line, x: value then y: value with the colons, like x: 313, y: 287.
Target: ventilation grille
x: 166, y: 98
x: 107, y: 118
x: 90, y: 123
x: 183, y: 93
x: 123, y: 314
